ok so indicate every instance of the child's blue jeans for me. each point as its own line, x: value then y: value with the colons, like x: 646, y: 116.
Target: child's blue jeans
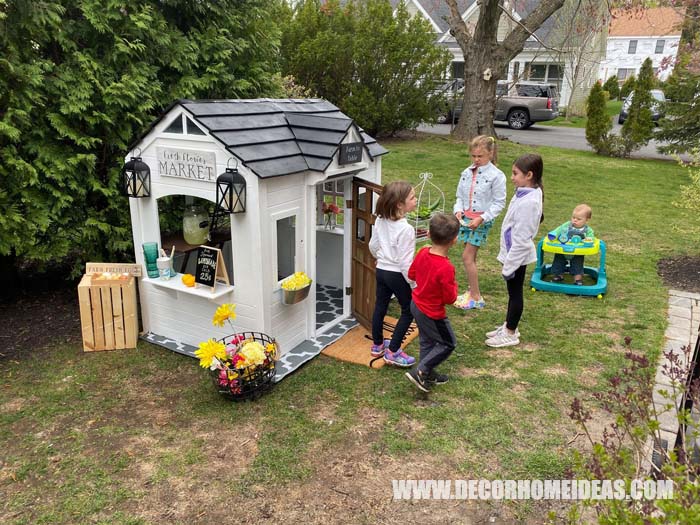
x: 559, y: 264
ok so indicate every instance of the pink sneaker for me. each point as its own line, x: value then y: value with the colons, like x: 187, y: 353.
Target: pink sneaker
x: 378, y: 350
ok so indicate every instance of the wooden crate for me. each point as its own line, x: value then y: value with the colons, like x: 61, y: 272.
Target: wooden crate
x: 108, y: 314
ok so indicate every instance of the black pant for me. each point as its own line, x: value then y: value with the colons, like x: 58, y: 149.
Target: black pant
x: 437, y: 340
x: 388, y: 284
x: 515, y: 298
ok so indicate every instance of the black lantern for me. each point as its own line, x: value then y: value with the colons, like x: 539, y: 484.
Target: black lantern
x: 136, y: 178
x: 230, y: 190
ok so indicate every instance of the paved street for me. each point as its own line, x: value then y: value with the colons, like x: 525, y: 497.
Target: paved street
x: 559, y: 137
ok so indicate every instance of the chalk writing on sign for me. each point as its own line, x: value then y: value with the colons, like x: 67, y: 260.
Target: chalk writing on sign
x: 350, y: 153
x: 207, y: 259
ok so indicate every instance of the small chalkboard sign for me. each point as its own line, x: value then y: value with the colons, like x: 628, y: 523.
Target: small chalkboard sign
x: 350, y: 153
x: 210, y: 267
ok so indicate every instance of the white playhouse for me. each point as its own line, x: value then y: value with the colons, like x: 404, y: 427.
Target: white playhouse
x: 305, y: 180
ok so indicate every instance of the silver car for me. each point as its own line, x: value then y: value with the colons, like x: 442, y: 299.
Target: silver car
x: 657, y: 106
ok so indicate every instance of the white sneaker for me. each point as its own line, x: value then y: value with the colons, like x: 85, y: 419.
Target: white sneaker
x: 499, y: 330
x: 503, y: 339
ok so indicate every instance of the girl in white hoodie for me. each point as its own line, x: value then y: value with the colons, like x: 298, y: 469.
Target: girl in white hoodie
x: 393, y: 244
x: 518, y: 230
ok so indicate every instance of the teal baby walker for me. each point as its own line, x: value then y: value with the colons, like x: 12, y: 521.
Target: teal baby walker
x: 573, y: 246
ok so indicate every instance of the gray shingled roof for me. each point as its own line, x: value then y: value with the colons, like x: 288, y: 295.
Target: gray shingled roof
x: 438, y: 11
x: 274, y: 137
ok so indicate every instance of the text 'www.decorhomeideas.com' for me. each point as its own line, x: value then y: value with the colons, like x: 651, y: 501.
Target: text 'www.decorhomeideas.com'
x: 535, y: 489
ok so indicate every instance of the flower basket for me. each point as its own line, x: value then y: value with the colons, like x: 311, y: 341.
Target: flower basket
x: 295, y: 296
x: 248, y: 382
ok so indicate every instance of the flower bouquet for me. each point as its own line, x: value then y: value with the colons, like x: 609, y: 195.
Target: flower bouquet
x: 242, y: 365
x: 330, y: 210
x: 295, y: 288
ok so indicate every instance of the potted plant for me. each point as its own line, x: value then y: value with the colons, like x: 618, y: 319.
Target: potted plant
x: 295, y: 288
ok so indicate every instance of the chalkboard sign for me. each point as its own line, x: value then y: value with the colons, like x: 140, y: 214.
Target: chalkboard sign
x: 210, y: 266
x: 350, y: 153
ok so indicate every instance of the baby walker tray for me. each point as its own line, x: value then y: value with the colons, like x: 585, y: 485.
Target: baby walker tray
x: 541, y: 278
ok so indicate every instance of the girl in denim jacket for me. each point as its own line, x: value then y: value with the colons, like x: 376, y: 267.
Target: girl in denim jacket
x: 481, y: 196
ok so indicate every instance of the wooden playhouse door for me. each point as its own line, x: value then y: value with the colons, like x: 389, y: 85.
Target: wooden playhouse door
x: 363, y: 282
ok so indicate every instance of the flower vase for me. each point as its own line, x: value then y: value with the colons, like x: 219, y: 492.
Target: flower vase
x: 330, y: 221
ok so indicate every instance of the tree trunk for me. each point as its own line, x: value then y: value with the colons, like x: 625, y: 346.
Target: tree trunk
x: 479, y: 97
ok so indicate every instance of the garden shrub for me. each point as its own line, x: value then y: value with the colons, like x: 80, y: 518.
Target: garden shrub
x: 612, y: 86
x: 599, y: 123
x: 627, y: 87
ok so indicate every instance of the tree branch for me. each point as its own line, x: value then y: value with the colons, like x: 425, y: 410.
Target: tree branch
x: 458, y: 27
x: 514, y: 42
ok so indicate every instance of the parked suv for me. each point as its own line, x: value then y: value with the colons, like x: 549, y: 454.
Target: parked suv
x: 525, y: 103
x: 657, y: 106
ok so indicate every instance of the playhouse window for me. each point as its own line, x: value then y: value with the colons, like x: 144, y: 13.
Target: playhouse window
x: 286, y: 246
x: 177, y: 212
x: 332, y: 192
x: 184, y: 125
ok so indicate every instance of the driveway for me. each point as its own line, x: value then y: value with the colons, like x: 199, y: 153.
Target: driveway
x: 559, y: 137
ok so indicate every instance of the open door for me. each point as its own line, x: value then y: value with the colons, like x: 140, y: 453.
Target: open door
x: 363, y: 281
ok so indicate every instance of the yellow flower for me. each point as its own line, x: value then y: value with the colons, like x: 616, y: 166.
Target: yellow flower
x: 208, y: 351
x: 296, y: 282
x: 224, y: 312
x: 253, y: 352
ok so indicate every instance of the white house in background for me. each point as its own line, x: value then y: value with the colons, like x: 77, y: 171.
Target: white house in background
x: 634, y: 37
x: 536, y: 62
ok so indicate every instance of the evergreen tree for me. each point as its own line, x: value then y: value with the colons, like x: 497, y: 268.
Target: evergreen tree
x: 598, y: 124
x: 680, y: 130
x: 376, y: 64
x: 80, y: 80
x: 639, y: 127
x: 612, y: 86
x: 627, y: 87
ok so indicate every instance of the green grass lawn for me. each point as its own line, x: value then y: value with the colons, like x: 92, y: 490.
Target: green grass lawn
x: 140, y: 436
x: 613, y: 107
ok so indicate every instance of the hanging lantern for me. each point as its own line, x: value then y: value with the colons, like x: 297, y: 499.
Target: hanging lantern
x: 136, y: 178
x: 230, y: 190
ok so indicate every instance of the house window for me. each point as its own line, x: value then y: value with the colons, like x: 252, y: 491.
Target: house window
x: 286, y: 246
x: 458, y: 70
x: 632, y: 49
x: 516, y: 70
x: 660, y: 46
x: 624, y: 73
x: 551, y: 73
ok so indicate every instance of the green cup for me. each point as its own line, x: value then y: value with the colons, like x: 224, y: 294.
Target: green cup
x: 150, y: 255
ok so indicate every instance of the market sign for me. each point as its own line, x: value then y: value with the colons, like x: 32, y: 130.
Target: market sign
x: 187, y: 164
x: 350, y: 153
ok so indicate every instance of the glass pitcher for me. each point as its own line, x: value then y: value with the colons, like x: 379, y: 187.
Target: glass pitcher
x: 195, y: 225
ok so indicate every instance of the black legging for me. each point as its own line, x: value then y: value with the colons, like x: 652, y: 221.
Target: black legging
x: 515, y: 298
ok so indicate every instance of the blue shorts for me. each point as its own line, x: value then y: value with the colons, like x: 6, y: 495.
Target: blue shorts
x: 475, y: 237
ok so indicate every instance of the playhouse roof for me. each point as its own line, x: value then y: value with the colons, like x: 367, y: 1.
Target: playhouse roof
x: 274, y: 137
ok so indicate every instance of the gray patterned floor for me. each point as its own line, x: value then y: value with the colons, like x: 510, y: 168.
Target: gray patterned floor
x: 329, y: 304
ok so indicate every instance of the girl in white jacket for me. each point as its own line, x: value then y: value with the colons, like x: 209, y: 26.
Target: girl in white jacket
x: 393, y: 244
x: 518, y: 230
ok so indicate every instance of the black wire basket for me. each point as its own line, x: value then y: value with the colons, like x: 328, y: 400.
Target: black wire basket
x: 252, y: 381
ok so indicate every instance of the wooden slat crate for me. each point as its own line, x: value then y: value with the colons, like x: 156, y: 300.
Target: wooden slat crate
x: 108, y: 314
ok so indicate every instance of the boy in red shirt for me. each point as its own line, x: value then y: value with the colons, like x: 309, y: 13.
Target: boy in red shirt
x: 435, y: 287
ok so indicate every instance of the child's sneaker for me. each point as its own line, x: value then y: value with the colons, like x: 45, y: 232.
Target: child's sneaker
x: 399, y: 358
x: 503, y: 339
x: 578, y: 282
x: 461, y: 301
x: 472, y: 304
x: 418, y: 378
x: 499, y: 330
x: 436, y: 378
x: 378, y: 350
x: 557, y: 278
